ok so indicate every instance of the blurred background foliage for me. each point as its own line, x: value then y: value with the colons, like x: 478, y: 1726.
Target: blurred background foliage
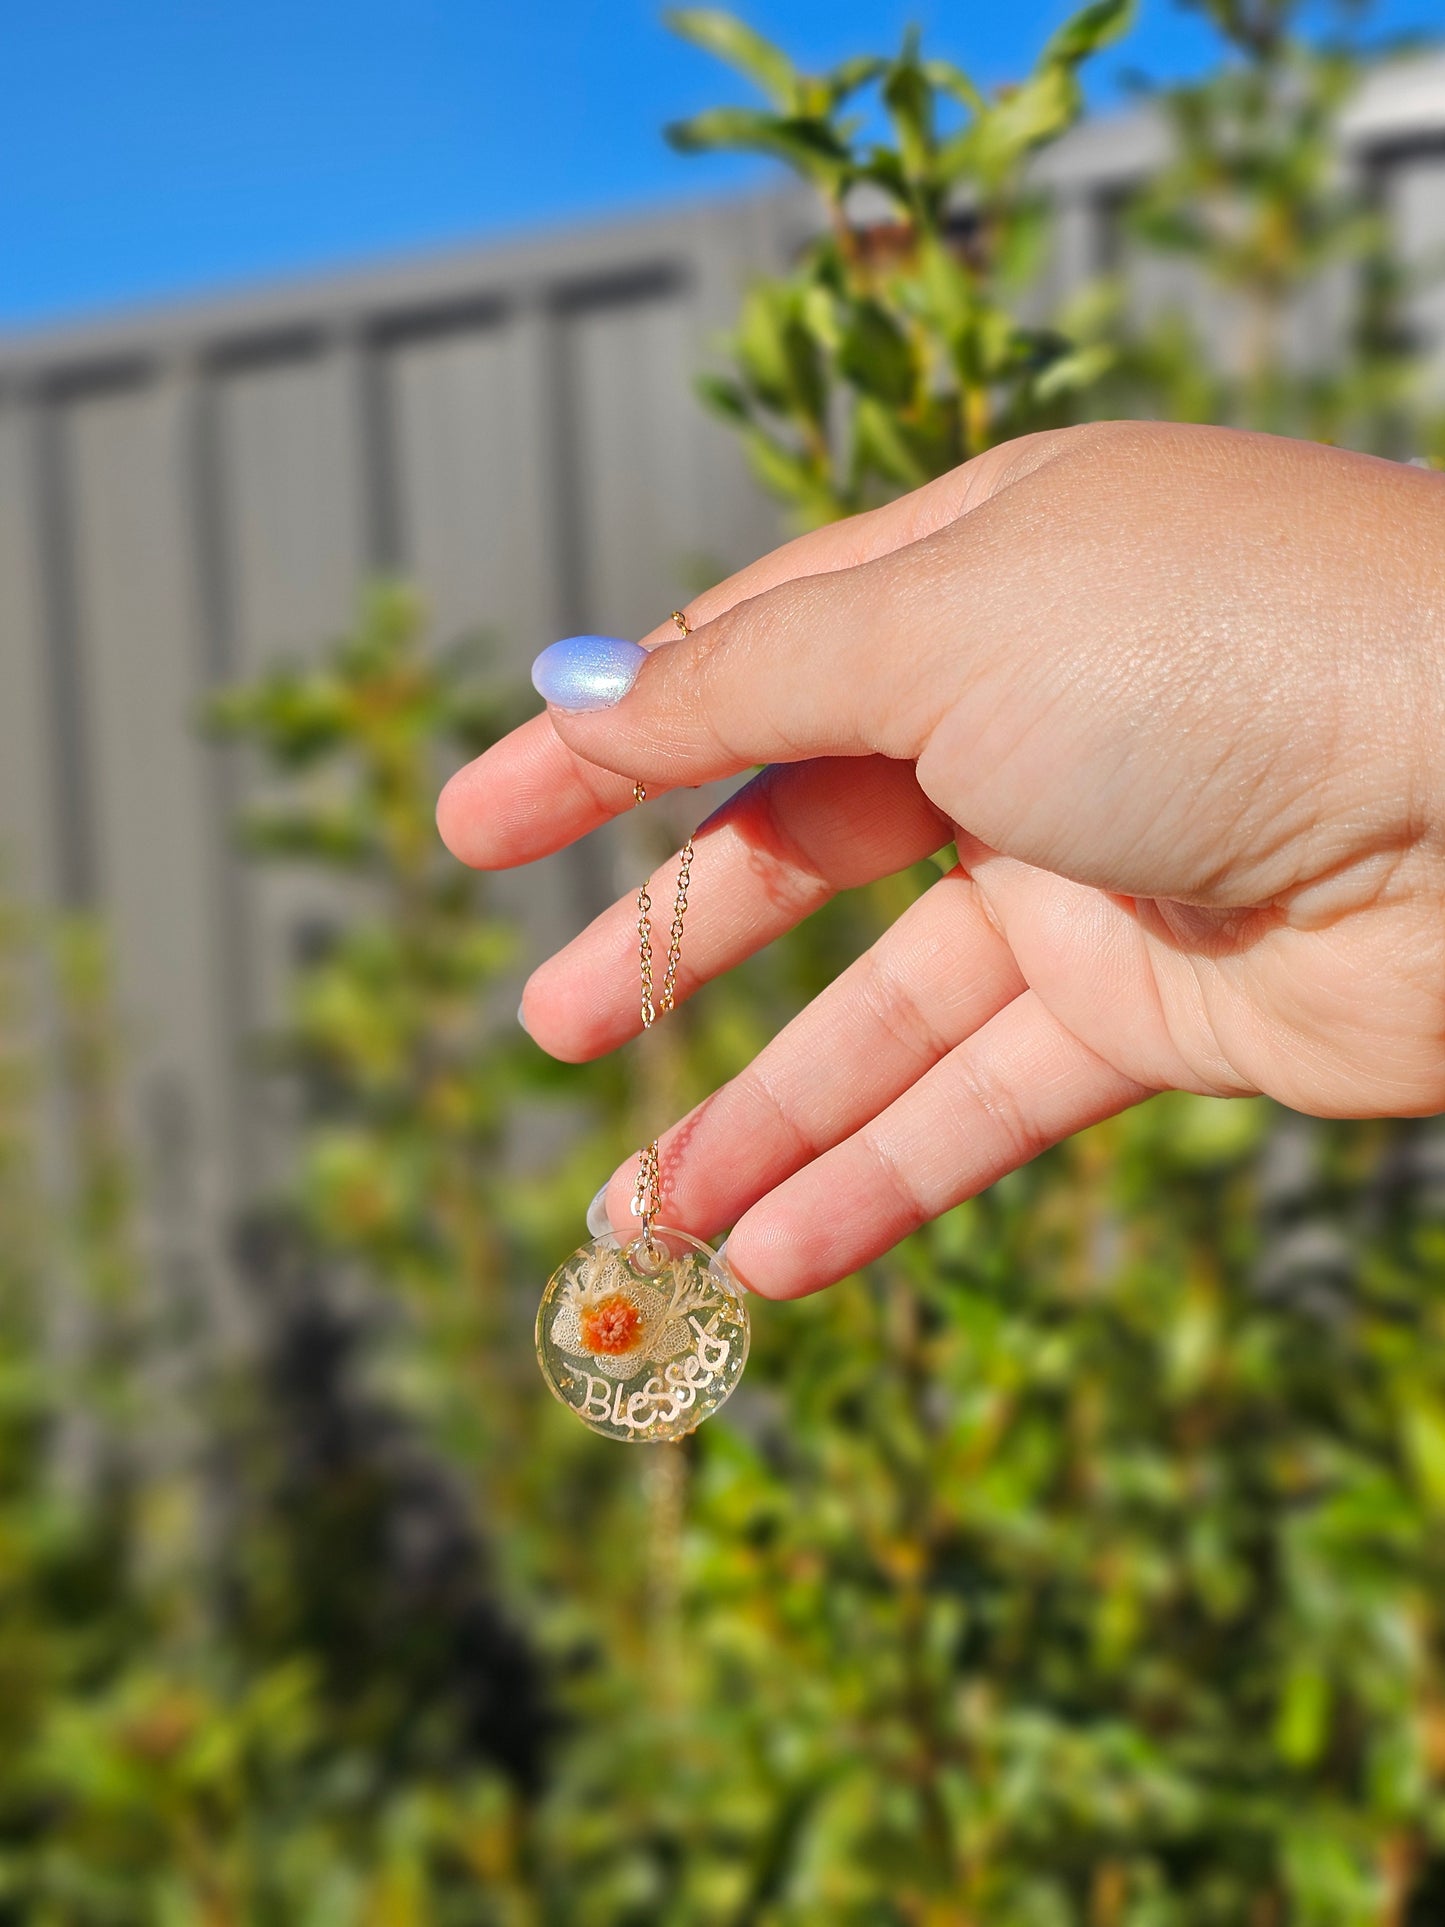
x: 1081, y: 1563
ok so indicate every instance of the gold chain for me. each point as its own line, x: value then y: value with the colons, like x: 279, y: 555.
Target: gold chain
x: 647, y: 1197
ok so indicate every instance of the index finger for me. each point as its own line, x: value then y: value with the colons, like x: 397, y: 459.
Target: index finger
x: 531, y: 794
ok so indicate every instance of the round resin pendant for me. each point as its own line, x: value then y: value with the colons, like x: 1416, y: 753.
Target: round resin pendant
x: 643, y: 1341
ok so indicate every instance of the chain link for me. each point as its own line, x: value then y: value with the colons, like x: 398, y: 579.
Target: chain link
x: 647, y: 1197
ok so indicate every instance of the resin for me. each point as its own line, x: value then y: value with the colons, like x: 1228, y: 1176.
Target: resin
x: 643, y: 1344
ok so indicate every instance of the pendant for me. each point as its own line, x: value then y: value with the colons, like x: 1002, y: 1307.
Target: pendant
x: 643, y: 1338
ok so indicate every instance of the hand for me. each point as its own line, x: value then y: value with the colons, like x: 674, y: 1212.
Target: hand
x: 1176, y: 693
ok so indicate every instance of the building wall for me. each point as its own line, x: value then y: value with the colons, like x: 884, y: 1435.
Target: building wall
x: 187, y: 494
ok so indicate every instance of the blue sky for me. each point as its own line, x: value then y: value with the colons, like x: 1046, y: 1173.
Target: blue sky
x: 153, y: 147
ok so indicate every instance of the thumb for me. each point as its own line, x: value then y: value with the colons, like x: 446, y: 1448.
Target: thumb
x: 855, y: 660
x: 824, y: 665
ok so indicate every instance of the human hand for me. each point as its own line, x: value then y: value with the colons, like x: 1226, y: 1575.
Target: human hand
x: 1174, y: 691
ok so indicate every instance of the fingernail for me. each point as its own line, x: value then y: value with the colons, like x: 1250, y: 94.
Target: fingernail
x: 598, y: 1222
x: 722, y: 1258
x: 587, y: 672
x: 522, y: 1018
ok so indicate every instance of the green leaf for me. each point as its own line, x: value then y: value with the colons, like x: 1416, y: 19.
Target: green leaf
x: 724, y: 35
x: 785, y: 473
x: 818, y: 311
x: 885, y: 170
x: 809, y: 146
x: 338, y: 836
x: 1021, y: 242
x: 1079, y: 369
x: 1176, y: 230
x: 909, y: 100
x: 721, y: 397
x: 1001, y: 346
x: 947, y: 289
x: 994, y: 146
x: 1328, y: 1879
x: 1422, y: 1426
x: 1093, y: 27
x: 1302, y: 1723
x: 952, y: 80
x: 760, y: 350
x: 875, y: 355
x: 778, y: 355
x: 879, y: 442
x: 852, y: 75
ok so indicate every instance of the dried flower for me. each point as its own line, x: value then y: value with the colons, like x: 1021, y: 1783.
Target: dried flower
x: 621, y: 1322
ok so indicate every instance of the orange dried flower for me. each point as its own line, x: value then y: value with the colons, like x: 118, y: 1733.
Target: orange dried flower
x: 610, y: 1326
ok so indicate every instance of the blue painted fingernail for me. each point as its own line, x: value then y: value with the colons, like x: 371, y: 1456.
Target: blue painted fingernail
x: 587, y: 672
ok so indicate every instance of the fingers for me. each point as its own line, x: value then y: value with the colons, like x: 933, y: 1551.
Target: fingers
x: 531, y: 793
x: 526, y: 797
x: 826, y: 665
x: 1020, y: 1084
x: 930, y: 981
x: 769, y: 857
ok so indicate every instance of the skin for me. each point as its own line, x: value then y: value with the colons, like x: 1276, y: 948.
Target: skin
x: 1176, y: 693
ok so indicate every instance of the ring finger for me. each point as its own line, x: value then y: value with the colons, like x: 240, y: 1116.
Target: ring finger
x: 773, y: 854
x: 929, y: 982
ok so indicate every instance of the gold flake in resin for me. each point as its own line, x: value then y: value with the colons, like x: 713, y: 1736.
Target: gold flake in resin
x: 643, y: 1344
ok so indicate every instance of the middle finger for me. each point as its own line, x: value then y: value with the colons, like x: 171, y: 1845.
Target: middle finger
x: 928, y: 983
x: 771, y: 855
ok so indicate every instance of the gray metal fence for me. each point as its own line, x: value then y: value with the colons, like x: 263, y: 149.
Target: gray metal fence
x: 188, y: 493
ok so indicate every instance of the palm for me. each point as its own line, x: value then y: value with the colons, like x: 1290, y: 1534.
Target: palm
x: 1229, y: 1003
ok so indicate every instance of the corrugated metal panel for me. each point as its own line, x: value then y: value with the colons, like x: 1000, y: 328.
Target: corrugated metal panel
x: 1414, y: 195
x: 149, y: 786
x: 467, y: 407
x: 28, y: 779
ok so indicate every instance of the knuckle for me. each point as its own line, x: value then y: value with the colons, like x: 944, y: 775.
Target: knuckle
x: 1009, y: 1125
x: 802, y: 1144
x: 895, y: 1181
x: 895, y: 1007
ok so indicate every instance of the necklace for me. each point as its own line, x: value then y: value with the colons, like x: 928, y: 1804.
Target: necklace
x: 645, y: 1336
